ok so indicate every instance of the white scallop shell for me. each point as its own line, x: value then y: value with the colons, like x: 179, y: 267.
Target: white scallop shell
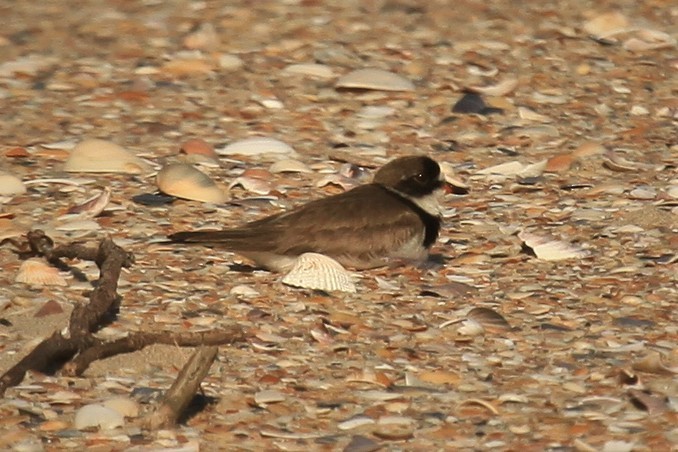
x: 256, y: 146
x: 188, y: 182
x: 101, y: 156
x: 319, y: 272
x: 11, y: 185
x: 35, y: 272
x: 376, y: 79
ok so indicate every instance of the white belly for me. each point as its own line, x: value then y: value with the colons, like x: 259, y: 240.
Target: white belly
x: 413, y: 249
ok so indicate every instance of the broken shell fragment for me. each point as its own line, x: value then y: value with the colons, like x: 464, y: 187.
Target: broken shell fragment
x: 101, y: 156
x: 374, y: 79
x: 500, y: 89
x: 458, y: 185
x: 531, y: 115
x: 319, y: 272
x: 548, y: 249
x: 268, y: 396
x: 560, y: 163
x: 289, y: 166
x: 643, y: 192
x: 336, y: 180
x: 252, y: 184
x: 199, y: 151
x: 76, y: 223
x: 649, y: 40
x: 35, y: 272
x: 588, y: 149
x: 94, y: 205
x: 489, y: 319
x: 615, y: 162
x: 505, y: 169
x: 470, y: 327
x: 187, y: 182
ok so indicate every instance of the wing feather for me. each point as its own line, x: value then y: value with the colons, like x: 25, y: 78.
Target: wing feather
x: 366, y: 223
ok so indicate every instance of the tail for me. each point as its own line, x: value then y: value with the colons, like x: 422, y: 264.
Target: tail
x: 235, y: 238
x: 194, y: 236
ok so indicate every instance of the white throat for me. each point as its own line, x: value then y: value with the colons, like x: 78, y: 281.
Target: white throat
x: 431, y: 203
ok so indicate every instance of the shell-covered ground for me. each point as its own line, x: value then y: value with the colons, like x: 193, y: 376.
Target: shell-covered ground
x: 549, y: 318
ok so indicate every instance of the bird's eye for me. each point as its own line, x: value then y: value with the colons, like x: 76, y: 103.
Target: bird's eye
x: 421, y: 177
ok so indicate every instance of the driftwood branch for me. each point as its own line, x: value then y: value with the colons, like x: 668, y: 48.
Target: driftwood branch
x: 179, y: 395
x: 139, y: 340
x: 78, y: 348
x: 85, y: 318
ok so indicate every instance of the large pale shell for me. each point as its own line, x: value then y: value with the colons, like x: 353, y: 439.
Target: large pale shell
x: 187, y: 182
x: 11, y: 185
x: 319, y: 272
x: 35, y: 272
x: 101, y: 156
x: 256, y: 146
x: 310, y: 69
x: 376, y: 79
x: 95, y: 415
